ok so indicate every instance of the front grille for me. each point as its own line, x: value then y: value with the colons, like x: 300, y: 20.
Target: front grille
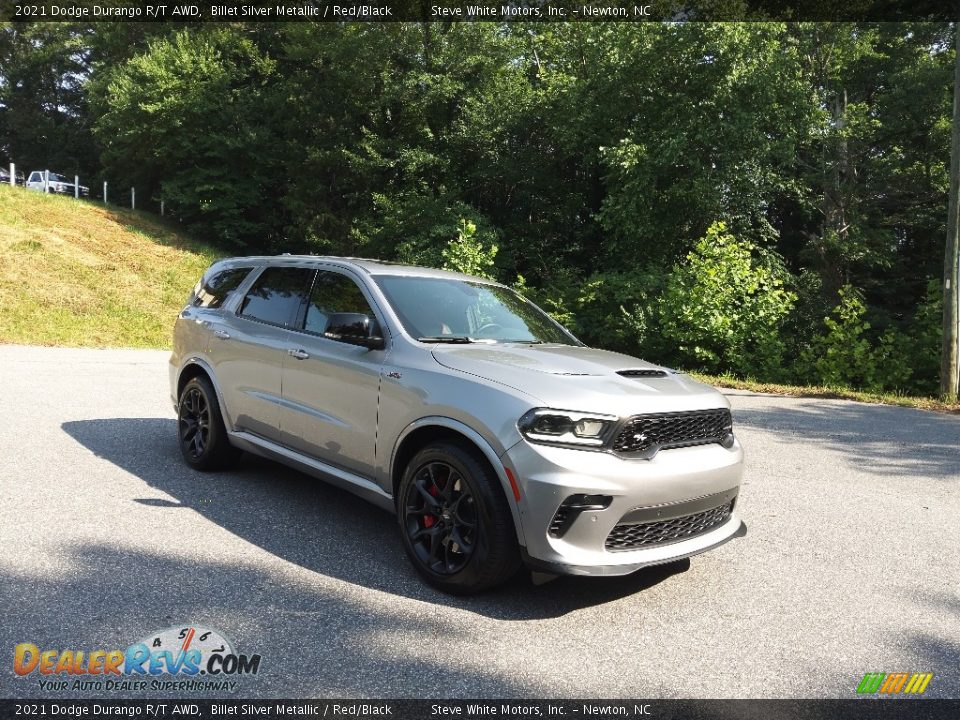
x: 642, y: 373
x: 662, y: 532
x: 673, y: 430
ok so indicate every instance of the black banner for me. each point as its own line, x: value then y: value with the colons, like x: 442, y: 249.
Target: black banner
x: 480, y: 11
x: 854, y: 709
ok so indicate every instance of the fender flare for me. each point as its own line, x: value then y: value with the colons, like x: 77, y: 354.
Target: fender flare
x: 516, y: 510
x: 205, y: 366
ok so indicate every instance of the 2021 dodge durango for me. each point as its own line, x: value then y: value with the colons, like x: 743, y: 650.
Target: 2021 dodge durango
x: 496, y: 437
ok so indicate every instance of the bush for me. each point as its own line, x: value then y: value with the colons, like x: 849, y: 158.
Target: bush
x: 467, y: 254
x: 724, y: 307
x: 891, y: 361
x: 927, y: 341
x: 842, y: 356
x: 847, y: 356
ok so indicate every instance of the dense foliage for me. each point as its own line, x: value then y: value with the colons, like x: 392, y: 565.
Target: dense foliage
x: 762, y: 199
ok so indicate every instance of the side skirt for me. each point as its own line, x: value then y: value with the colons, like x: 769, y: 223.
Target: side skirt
x: 344, y: 479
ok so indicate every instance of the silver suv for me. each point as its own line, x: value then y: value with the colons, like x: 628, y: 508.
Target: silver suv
x: 495, y: 436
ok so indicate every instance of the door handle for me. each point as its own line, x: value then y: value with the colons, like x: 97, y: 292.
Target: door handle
x: 299, y: 354
x: 222, y: 334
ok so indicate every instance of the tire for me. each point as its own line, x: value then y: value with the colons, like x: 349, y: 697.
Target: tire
x: 455, y: 522
x: 201, y: 434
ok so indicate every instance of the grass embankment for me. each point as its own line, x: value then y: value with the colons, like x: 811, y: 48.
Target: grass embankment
x: 77, y: 273
x: 923, y: 403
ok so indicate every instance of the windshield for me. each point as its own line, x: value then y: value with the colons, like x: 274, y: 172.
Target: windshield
x: 450, y: 310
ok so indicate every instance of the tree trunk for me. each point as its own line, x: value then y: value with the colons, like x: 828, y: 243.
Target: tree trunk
x: 834, y: 228
x: 951, y: 292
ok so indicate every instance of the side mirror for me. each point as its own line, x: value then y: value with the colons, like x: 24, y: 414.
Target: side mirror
x: 355, y: 329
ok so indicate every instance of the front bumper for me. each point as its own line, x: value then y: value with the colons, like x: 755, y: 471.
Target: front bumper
x: 670, y: 485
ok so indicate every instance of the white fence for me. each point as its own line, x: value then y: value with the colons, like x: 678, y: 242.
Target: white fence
x: 76, y: 187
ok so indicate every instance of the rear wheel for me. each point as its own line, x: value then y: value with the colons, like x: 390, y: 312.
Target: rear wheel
x: 203, y: 437
x: 455, y: 522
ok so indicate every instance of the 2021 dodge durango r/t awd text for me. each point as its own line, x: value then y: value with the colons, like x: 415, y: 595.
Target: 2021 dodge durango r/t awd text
x: 495, y: 436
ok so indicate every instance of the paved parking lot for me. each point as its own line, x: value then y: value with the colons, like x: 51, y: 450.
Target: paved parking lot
x: 851, y: 563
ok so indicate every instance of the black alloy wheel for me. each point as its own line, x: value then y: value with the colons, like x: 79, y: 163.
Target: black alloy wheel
x: 456, y: 524
x: 441, y: 518
x: 200, y: 430
x: 194, y: 423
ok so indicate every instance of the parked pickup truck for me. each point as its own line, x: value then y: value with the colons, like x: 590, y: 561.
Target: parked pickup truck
x: 57, y: 183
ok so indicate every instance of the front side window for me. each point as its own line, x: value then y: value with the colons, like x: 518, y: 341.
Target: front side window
x: 276, y: 296
x: 447, y: 308
x: 214, y: 291
x: 333, y: 293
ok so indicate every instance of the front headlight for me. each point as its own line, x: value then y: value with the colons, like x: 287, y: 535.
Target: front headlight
x: 564, y: 427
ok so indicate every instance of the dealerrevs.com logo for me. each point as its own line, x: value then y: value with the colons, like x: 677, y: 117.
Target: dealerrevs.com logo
x: 197, y: 658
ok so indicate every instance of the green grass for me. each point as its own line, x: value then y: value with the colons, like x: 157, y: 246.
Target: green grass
x: 79, y: 274
x: 922, y: 403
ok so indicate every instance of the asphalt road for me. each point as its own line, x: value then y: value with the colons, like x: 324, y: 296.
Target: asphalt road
x: 851, y: 563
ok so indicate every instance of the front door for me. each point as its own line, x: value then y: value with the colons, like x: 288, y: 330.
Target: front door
x: 330, y: 388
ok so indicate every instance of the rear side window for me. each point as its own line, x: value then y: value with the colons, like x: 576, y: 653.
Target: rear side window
x: 35, y: 177
x: 213, y: 292
x: 277, y: 294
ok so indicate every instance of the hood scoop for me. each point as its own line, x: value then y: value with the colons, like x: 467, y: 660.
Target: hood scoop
x: 643, y: 373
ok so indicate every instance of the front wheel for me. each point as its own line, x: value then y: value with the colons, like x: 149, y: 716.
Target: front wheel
x: 203, y: 437
x: 455, y: 522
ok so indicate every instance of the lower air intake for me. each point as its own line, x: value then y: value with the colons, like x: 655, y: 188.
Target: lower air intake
x: 635, y: 536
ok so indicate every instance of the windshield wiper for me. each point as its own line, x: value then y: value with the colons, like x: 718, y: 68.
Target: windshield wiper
x: 454, y: 339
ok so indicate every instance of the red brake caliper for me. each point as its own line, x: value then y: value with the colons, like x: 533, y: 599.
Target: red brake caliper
x: 429, y: 520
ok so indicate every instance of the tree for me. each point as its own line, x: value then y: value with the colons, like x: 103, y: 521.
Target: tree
x: 44, y: 121
x: 714, y: 113
x: 192, y: 121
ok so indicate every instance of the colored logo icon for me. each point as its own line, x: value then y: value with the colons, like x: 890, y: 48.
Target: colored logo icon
x: 894, y: 683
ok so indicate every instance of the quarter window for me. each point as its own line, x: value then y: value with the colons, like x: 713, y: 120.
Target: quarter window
x: 213, y: 292
x: 277, y: 294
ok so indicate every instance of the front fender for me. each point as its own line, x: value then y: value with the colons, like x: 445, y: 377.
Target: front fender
x: 516, y: 506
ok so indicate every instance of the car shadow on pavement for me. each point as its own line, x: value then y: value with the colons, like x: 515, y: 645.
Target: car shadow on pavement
x: 324, y: 529
x: 313, y: 642
x: 886, y: 439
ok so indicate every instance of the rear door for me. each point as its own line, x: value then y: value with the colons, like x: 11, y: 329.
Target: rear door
x: 247, y: 348
x: 193, y: 331
x: 330, y: 388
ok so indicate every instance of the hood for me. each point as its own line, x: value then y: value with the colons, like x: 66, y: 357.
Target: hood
x: 567, y: 377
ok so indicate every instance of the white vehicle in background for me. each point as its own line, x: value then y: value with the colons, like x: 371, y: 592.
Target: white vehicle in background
x: 55, y: 182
